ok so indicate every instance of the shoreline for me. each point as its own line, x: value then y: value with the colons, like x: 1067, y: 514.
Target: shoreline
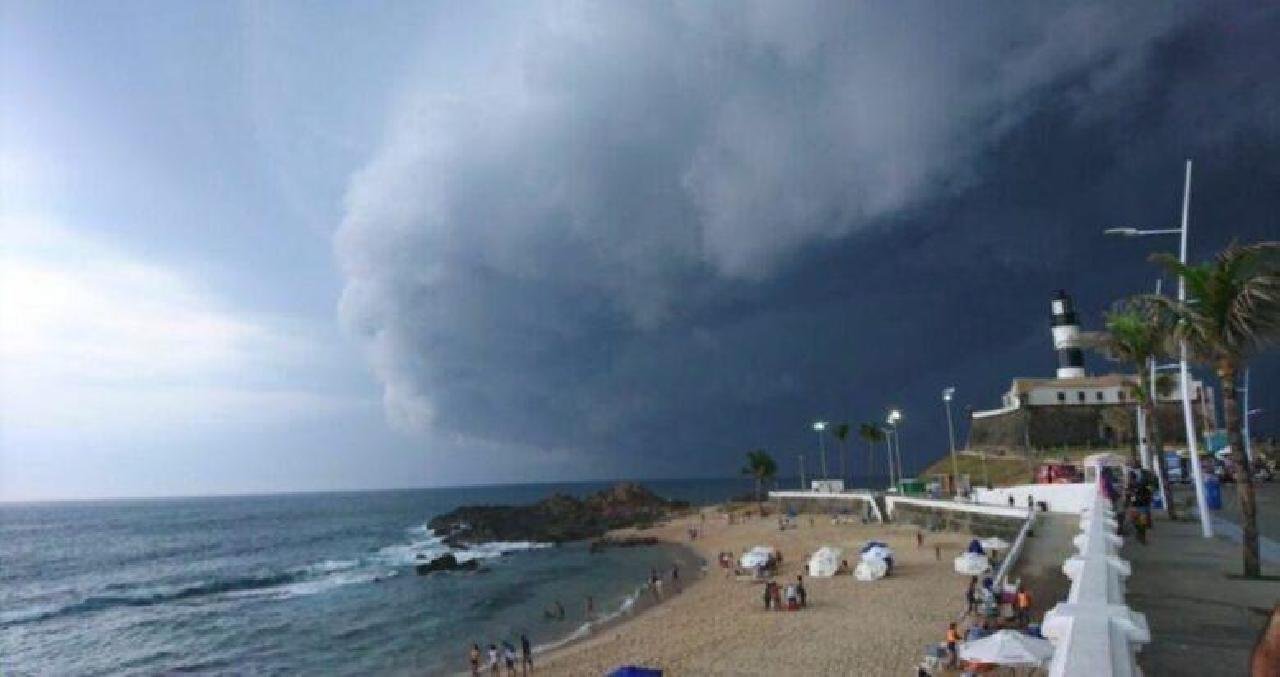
x: 620, y: 618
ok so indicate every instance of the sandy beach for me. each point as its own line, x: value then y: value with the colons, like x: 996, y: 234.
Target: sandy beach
x: 718, y: 625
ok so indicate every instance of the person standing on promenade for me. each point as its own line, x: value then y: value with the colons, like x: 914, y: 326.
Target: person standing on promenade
x: 1022, y: 602
x: 526, y: 654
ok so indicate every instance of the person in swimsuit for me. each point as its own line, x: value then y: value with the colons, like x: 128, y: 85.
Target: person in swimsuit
x: 494, y: 666
x: 475, y: 659
x: 526, y: 654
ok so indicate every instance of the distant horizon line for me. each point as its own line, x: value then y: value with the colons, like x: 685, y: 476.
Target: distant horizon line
x: 293, y: 492
x: 303, y: 492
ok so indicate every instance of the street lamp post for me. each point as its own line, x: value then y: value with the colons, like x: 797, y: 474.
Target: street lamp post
x: 819, y: 427
x: 894, y: 417
x: 947, y: 394
x: 1184, y: 375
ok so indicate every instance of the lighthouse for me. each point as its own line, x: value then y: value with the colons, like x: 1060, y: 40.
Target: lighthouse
x: 1066, y: 336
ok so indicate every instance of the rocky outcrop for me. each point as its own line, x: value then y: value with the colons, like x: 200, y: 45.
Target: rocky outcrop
x: 446, y: 562
x: 556, y: 519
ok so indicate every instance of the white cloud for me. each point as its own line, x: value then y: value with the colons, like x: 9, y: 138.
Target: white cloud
x: 97, y: 341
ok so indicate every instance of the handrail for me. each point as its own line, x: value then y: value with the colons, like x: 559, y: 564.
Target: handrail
x: 1015, y: 551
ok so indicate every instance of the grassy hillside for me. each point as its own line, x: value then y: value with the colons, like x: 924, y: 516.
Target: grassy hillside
x: 1004, y: 471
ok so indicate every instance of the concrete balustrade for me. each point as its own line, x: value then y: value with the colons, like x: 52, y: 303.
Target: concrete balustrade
x: 1093, y: 631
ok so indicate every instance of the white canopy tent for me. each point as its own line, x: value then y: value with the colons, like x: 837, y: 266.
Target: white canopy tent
x: 870, y: 569
x: 1009, y: 648
x: 972, y: 564
x: 759, y: 556
x: 994, y: 543
x: 825, y: 562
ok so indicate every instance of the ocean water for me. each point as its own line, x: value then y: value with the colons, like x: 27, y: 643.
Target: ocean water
x: 318, y: 583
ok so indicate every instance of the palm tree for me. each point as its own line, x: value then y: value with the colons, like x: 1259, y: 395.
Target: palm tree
x: 841, y: 433
x: 1232, y: 313
x: 762, y: 467
x: 872, y: 435
x: 1138, y: 331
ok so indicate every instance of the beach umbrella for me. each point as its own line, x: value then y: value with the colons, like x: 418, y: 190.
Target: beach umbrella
x: 972, y: 564
x: 1008, y: 647
x: 879, y: 552
x: 994, y: 543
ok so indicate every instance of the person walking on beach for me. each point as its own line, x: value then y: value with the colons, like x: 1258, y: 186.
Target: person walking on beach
x: 953, y: 637
x: 675, y: 578
x: 919, y: 539
x: 526, y: 654
x: 768, y: 594
x: 800, y: 592
x: 494, y: 668
x: 591, y: 608
x: 777, y: 597
x: 971, y: 597
x: 475, y: 659
x: 509, y: 657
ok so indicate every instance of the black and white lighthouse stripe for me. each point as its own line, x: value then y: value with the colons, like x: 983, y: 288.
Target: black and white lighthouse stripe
x: 1066, y: 336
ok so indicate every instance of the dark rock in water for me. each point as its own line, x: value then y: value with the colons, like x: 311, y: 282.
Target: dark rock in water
x: 555, y: 519
x: 447, y: 562
x: 602, y: 544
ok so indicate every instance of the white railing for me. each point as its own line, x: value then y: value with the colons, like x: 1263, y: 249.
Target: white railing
x: 1015, y: 551
x: 1093, y: 631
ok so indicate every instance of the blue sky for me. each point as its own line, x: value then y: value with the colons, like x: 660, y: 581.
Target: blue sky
x: 288, y: 246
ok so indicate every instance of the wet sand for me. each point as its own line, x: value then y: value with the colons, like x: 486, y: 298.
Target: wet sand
x: 718, y: 625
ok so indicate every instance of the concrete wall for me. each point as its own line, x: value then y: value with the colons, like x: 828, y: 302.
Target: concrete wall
x: 1101, y: 426
x: 936, y: 515
x: 1048, y: 395
x: 855, y: 503
x: 1063, y: 498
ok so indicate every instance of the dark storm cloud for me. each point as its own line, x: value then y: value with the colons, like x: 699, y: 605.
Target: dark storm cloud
x: 683, y: 228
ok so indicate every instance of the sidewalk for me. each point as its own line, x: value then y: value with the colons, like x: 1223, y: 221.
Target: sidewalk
x: 1204, y: 619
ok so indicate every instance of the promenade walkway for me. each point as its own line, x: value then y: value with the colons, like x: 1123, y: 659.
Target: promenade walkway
x: 1204, y: 619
